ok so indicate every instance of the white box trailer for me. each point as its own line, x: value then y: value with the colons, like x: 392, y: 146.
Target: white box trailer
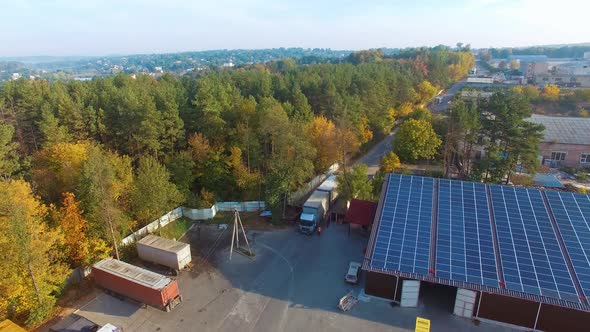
x: 173, y: 254
x: 330, y: 185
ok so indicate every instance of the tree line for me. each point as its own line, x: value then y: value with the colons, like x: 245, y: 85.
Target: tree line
x: 85, y: 163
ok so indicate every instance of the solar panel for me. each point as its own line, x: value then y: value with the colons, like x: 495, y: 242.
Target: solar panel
x: 403, y: 238
x: 572, y: 215
x: 464, y: 246
x: 532, y: 261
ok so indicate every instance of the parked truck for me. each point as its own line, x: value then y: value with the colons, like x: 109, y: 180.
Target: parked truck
x: 123, y: 279
x: 313, y: 212
x: 172, y: 254
x: 331, y: 186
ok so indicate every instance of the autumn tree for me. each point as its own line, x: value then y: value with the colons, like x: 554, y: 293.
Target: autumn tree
x: 551, y: 92
x: 57, y: 169
x: 80, y: 248
x: 105, y: 182
x: 425, y: 92
x: 324, y: 138
x: 152, y: 194
x: 31, y: 273
x: 389, y: 163
x: 246, y: 180
x: 416, y: 139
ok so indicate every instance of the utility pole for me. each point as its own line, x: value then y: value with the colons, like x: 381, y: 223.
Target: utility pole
x: 236, y: 234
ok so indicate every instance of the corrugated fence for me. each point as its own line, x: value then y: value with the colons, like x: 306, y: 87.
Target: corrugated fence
x: 297, y: 197
x: 193, y: 214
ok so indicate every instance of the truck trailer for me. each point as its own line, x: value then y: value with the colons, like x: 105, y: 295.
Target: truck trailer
x: 172, y: 254
x: 331, y: 186
x: 136, y: 283
x: 313, y: 212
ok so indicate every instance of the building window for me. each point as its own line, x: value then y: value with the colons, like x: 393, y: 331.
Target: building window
x: 585, y: 158
x: 558, y: 156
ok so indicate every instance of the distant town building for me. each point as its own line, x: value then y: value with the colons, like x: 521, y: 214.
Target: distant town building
x: 566, y: 141
x: 228, y: 64
x: 16, y: 76
x: 570, y: 81
x: 475, y: 94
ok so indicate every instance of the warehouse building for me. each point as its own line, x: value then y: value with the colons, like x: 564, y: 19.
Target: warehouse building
x: 514, y: 255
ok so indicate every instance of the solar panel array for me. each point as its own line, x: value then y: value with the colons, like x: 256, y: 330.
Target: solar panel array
x: 464, y: 245
x: 486, y: 234
x: 532, y: 261
x: 572, y: 215
x: 403, y: 239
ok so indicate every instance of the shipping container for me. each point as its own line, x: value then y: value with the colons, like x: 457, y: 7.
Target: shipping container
x: 173, y: 254
x: 136, y: 283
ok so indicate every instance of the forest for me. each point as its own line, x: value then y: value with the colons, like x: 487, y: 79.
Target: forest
x: 83, y: 164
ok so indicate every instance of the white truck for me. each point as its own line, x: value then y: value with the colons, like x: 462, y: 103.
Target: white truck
x: 313, y: 212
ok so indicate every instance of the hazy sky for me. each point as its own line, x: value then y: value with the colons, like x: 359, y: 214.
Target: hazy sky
x: 101, y: 27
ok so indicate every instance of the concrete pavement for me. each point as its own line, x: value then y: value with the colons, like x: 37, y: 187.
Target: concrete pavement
x: 293, y: 284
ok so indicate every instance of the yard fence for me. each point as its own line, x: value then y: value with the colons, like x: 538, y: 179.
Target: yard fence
x: 193, y: 214
x: 299, y: 196
x: 205, y: 214
x: 154, y: 225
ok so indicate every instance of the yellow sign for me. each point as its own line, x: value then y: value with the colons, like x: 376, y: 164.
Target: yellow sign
x: 422, y: 324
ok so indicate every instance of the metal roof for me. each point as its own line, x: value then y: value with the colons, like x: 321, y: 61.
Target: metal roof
x: 564, y: 130
x: 547, y: 180
x: 133, y: 273
x: 163, y: 244
x: 530, y: 212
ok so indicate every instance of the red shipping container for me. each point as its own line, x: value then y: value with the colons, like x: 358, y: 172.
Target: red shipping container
x: 136, y: 283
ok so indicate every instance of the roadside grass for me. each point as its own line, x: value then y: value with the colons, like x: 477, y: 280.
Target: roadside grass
x: 175, y: 229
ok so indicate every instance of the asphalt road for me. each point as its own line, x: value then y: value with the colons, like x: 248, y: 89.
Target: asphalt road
x: 448, y: 96
x: 373, y: 156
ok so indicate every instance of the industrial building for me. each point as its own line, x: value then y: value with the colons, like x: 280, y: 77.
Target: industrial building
x: 509, y: 254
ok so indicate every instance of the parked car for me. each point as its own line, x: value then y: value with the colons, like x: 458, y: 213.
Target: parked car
x: 353, y: 274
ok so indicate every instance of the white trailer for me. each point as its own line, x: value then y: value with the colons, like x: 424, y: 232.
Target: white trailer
x: 173, y: 254
x: 330, y: 185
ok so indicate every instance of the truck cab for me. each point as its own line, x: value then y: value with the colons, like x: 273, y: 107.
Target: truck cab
x: 313, y: 212
x: 307, y: 223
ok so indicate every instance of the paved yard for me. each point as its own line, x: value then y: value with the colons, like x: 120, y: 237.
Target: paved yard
x: 293, y: 284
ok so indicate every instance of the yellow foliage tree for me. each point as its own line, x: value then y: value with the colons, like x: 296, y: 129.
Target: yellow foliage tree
x: 245, y: 179
x: 323, y: 137
x: 551, y: 92
x: 425, y: 92
x: 56, y: 168
x: 31, y: 272
x: 405, y: 109
x: 80, y: 249
x: 389, y: 163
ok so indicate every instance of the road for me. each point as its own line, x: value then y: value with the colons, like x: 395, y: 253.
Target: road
x: 446, y: 98
x: 373, y: 156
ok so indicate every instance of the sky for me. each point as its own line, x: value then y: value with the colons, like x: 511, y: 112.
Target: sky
x: 108, y: 27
